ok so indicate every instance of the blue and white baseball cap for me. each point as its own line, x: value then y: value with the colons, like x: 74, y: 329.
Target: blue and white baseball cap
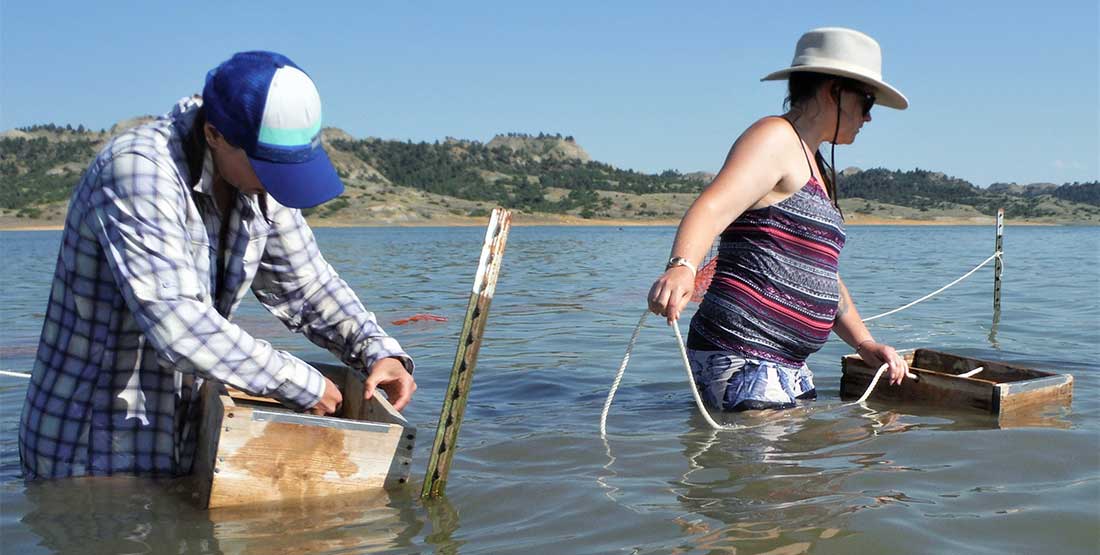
x: 266, y: 105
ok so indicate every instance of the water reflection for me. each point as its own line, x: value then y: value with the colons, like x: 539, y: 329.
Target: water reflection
x: 445, y: 522
x: 780, y: 486
x: 993, y: 330
x: 740, y: 494
x: 782, y: 483
x: 138, y: 515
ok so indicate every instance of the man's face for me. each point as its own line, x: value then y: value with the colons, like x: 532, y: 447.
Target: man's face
x: 231, y: 163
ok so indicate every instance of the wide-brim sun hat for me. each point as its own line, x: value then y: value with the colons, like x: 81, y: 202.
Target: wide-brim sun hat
x: 845, y: 53
x: 266, y: 105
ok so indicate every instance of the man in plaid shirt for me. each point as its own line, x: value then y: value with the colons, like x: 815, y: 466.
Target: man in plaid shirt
x: 167, y: 230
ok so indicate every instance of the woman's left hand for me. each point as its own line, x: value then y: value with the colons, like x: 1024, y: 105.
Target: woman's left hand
x: 876, y: 354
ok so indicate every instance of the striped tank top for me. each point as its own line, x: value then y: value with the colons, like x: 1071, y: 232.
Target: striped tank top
x: 776, y: 286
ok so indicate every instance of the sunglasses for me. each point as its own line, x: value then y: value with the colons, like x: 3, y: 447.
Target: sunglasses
x: 867, y: 100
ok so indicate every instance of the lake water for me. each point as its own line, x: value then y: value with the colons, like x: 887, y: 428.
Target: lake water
x: 531, y: 474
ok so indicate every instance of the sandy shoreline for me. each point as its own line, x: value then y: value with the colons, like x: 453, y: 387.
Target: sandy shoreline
x: 522, y: 220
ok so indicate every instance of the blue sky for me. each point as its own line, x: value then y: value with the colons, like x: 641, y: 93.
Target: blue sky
x: 1000, y: 91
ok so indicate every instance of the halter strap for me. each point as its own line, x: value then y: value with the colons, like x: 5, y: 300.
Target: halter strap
x: 801, y: 143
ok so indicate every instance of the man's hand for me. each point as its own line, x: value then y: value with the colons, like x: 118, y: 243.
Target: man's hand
x: 330, y: 402
x: 391, y: 376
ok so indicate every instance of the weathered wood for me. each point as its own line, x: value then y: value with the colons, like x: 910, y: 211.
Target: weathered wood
x: 469, y: 343
x: 251, y: 451
x: 238, y: 394
x: 994, y: 371
x: 998, y: 266
x: 210, y: 427
x: 929, y: 387
x: 999, y: 388
x: 1018, y: 396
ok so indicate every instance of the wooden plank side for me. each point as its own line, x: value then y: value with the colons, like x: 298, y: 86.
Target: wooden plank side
x: 238, y: 395
x: 353, y: 397
x: 993, y: 370
x: 262, y: 461
x: 1023, y: 396
x: 376, y: 409
x: 351, y: 387
x: 931, y: 387
x: 214, y: 406
x: 337, y: 373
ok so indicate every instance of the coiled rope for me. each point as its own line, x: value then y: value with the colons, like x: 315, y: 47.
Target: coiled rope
x: 691, y: 380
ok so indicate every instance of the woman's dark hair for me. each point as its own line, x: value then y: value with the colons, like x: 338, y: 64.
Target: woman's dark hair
x: 803, y: 86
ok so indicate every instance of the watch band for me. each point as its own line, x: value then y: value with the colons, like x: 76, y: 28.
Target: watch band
x: 681, y: 261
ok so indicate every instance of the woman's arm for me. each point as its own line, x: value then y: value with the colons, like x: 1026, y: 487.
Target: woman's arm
x: 753, y: 168
x: 850, y: 327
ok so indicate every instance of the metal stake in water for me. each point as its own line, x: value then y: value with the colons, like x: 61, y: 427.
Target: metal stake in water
x: 469, y: 342
x: 998, y: 266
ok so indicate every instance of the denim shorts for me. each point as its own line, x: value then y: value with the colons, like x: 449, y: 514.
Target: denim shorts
x: 730, y: 382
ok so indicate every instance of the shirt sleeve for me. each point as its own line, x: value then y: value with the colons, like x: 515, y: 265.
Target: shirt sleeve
x: 139, y: 218
x: 299, y: 287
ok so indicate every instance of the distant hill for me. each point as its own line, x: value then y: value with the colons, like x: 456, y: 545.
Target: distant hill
x: 540, y: 175
x: 1031, y: 189
x: 539, y: 147
x: 930, y: 191
x: 1076, y: 192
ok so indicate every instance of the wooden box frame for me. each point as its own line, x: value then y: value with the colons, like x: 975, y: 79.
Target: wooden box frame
x: 999, y: 389
x: 253, y: 450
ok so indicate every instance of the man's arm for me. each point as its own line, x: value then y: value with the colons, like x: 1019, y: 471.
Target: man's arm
x: 296, y: 284
x: 139, y: 219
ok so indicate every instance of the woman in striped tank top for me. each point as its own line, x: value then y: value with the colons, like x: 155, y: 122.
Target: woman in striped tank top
x: 776, y: 292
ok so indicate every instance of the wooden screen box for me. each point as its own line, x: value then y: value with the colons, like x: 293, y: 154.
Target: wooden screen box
x: 254, y: 450
x: 1000, y: 389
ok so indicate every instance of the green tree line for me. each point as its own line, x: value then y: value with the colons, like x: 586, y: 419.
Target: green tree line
x: 519, y: 179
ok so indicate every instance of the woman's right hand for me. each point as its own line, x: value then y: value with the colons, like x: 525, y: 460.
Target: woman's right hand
x: 671, y: 292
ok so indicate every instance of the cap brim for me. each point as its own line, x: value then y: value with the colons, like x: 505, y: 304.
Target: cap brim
x: 300, y: 185
x: 885, y: 94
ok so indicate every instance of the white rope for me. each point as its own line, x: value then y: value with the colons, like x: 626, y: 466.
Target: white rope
x: 619, y: 375
x: 14, y: 374
x: 973, y: 372
x: 691, y: 379
x: 937, y: 291
x: 687, y: 368
x: 871, y: 386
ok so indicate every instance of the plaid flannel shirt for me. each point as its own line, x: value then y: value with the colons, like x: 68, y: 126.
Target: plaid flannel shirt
x: 133, y: 326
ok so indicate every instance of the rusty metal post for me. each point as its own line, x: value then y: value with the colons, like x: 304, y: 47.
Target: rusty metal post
x: 997, y: 266
x: 469, y: 342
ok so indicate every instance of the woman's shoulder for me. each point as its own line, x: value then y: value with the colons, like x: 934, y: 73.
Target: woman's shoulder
x: 770, y: 127
x: 769, y: 132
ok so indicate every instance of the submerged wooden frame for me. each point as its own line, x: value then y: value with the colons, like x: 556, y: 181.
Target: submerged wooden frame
x: 1000, y: 389
x: 253, y: 450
